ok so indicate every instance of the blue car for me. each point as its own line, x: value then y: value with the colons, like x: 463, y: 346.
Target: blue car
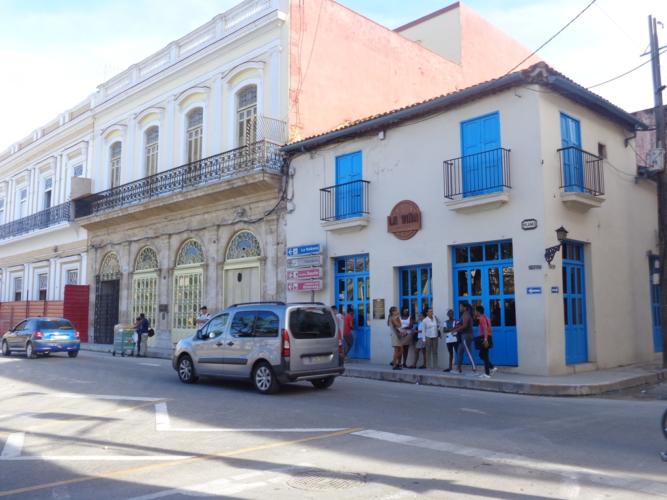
x: 42, y: 336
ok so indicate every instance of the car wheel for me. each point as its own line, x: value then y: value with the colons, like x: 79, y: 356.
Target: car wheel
x: 186, y: 370
x: 5, y: 349
x: 264, y: 379
x: 323, y: 383
x: 72, y: 354
x: 29, y: 352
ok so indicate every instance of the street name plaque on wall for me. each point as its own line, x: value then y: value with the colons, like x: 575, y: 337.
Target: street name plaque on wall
x: 405, y: 220
x: 378, y: 308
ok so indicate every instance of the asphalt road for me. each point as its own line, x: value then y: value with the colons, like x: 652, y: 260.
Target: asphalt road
x: 104, y: 427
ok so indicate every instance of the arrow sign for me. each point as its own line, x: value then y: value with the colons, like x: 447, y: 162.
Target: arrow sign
x: 308, y: 273
x: 304, y: 250
x: 304, y: 286
x: 308, y: 261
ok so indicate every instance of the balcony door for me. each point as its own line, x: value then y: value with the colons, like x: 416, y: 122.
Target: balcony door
x: 574, y: 303
x: 481, y: 166
x: 573, y: 171
x: 349, y: 194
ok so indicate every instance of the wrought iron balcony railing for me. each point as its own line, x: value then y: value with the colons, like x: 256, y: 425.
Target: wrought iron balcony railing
x: 581, y: 171
x: 344, y: 201
x: 40, y: 220
x: 477, y: 174
x: 256, y: 157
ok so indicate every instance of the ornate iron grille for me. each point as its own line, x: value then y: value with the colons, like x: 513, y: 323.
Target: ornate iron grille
x: 477, y: 174
x: 40, y: 220
x: 256, y: 157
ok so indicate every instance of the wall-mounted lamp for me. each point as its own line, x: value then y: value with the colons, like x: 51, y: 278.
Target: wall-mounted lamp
x: 550, y: 253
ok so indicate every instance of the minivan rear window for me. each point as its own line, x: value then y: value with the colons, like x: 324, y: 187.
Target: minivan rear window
x: 311, y: 323
x: 54, y: 324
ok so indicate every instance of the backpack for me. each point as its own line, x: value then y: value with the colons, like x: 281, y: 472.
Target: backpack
x: 151, y: 332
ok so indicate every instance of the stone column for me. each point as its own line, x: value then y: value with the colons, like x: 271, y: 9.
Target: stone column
x: 169, y: 141
x: 52, y: 292
x: 216, y: 113
x: 125, y: 286
x: 131, y: 170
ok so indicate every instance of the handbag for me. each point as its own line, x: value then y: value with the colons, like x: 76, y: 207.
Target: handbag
x: 479, y: 343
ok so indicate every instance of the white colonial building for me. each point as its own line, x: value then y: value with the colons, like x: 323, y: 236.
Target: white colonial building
x: 458, y: 198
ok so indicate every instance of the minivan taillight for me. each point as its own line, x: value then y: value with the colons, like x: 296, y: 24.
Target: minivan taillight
x: 76, y: 334
x: 38, y: 335
x: 286, y: 348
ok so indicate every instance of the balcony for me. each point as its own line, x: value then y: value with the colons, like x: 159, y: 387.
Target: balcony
x: 477, y: 181
x: 582, y: 178
x: 35, y: 222
x: 345, y: 207
x: 247, y: 170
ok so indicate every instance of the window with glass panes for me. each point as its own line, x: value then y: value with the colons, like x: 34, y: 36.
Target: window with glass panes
x: 21, y: 203
x: 72, y: 277
x: 48, y: 192
x: 151, y: 137
x: 415, y: 288
x: 352, y: 281
x: 188, y: 286
x: 2, y: 211
x: 246, y: 115
x: 18, y: 288
x: 144, y: 285
x: 115, y: 151
x: 484, y: 275
x: 42, y: 285
x: 195, y: 121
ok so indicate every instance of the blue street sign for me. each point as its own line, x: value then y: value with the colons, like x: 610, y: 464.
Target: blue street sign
x: 555, y: 289
x: 534, y: 290
x: 304, y: 250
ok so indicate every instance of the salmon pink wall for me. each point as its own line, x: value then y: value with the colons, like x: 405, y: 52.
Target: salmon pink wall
x: 344, y: 67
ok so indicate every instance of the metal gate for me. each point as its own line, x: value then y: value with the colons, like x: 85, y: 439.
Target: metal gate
x: 574, y: 303
x: 107, y: 295
x: 656, y: 319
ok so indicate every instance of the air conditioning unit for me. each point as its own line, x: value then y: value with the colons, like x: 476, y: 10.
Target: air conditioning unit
x: 655, y: 160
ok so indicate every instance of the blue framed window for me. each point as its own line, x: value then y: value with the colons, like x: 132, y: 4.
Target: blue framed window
x: 352, y: 278
x: 574, y: 303
x: 416, y: 291
x: 349, y: 186
x: 481, y: 167
x: 573, y: 164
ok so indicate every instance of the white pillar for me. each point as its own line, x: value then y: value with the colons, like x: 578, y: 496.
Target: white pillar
x: 168, y: 139
x: 33, y: 191
x: 129, y: 168
x: 216, y: 112
x: 52, y: 292
x: 83, y: 274
x: 56, y: 190
x: 27, y: 268
x: 274, y: 94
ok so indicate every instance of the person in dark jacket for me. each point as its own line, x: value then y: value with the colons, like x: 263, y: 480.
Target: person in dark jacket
x: 141, y: 327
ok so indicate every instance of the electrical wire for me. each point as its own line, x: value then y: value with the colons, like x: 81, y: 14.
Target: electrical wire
x: 554, y: 36
x: 624, y: 74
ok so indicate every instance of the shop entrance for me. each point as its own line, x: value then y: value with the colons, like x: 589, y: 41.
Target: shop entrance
x: 415, y: 288
x: 574, y: 303
x: 484, y: 275
x: 352, y: 278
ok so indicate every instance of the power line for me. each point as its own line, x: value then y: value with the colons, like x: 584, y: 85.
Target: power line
x: 623, y: 74
x: 554, y: 36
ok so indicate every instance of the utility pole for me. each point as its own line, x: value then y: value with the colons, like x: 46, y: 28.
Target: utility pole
x: 661, y: 177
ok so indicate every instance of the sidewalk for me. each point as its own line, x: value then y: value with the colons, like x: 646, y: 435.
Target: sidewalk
x: 579, y: 384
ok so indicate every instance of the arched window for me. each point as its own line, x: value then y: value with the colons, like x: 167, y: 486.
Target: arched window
x: 110, y: 267
x: 195, y: 120
x: 243, y: 245
x: 151, y: 138
x: 115, y: 151
x: 188, y: 288
x: 144, y: 286
x: 246, y: 115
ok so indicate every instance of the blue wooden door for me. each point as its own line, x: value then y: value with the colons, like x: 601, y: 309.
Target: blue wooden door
x: 416, y: 293
x: 481, y: 165
x: 574, y: 303
x: 352, y: 278
x: 349, y: 202
x: 484, y: 275
x: 656, y: 318
x: 573, y: 170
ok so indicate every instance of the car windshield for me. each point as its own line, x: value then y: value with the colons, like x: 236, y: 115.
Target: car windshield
x: 311, y: 323
x: 53, y: 324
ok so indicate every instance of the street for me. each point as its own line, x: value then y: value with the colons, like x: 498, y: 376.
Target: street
x: 110, y: 427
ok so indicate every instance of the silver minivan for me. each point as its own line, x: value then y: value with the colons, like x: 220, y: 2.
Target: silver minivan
x: 269, y: 343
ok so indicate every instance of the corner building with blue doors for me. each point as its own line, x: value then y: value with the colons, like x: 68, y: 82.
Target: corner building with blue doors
x: 459, y: 198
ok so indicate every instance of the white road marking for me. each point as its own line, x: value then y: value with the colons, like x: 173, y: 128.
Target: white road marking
x: 149, y: 364
x: 13, y: 446
x: 109, y: 397
x: 226, y: 486
x: 163, y: 424
x: 472, y: 410
x: 633, y: 482
x: 94, y: 458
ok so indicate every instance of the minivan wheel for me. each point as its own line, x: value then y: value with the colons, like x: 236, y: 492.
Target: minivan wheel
x: 29, y: 352
x: 264, y: 379
x: 186, y: 370
x: 5, y: 349
x: 72, y: 354
x: 323, y: 383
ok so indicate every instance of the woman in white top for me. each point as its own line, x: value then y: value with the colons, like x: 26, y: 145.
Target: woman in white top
x: 407, y: 325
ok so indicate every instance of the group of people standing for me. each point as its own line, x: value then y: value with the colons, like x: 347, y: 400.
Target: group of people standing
x: 425, y: 331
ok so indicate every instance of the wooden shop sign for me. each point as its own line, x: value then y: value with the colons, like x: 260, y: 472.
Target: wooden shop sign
x: 405, y: 220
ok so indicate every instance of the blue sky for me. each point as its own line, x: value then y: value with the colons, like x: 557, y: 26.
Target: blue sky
x: 53, y: 53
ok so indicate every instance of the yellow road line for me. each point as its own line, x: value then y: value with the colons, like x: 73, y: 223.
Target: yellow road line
x: 134, y: 470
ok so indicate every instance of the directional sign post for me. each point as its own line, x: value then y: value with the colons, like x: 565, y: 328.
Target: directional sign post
x: 304, y: 250
x: 304, y: 269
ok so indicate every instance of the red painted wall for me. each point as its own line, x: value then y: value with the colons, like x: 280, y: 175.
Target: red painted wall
x: 344, y: 67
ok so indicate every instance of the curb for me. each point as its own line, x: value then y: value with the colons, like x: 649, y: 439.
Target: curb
x: 506, y: 386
